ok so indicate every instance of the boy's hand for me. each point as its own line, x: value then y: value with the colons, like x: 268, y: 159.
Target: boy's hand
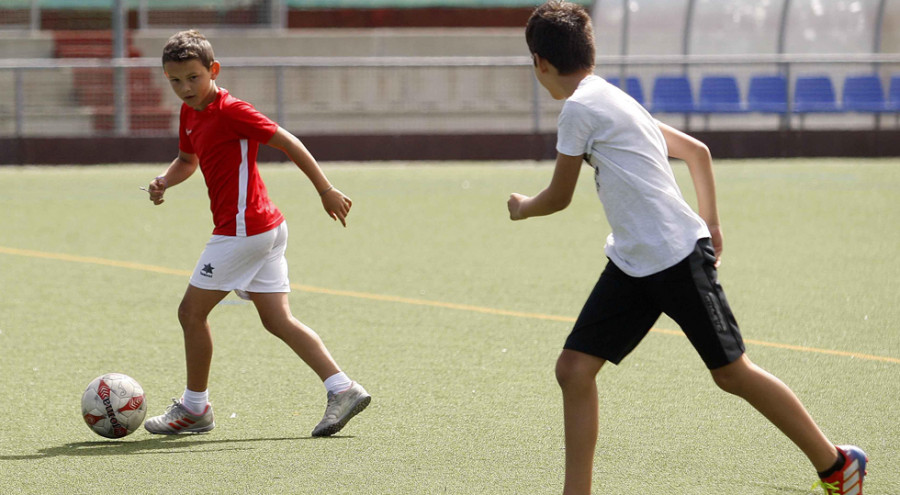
x: 157, y: 189
x: 336, y: 205
x: 715, y: 235
x: 515, y: 206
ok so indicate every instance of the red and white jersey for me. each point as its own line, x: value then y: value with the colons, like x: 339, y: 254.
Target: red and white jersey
x: 225, y: 136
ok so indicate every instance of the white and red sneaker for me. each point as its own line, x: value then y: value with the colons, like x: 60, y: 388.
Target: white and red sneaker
x: 178, y: 419
x: 341, y: 407
x: 848, y: 480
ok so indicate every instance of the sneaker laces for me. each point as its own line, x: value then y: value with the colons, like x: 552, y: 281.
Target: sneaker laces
x: 331, y: 404
x: 176, y: 405
x: 830, y: 488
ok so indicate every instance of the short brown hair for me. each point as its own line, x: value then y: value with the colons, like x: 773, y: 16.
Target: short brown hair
x: 562, y: 33
x: 188, y: 45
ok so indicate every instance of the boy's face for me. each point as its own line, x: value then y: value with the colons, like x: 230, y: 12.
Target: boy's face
x: 192, y: 82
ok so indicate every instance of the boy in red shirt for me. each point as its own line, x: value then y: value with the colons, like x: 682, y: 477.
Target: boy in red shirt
x: 221, y: 134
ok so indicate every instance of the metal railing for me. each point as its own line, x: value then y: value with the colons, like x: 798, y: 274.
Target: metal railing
x: 380, y: 95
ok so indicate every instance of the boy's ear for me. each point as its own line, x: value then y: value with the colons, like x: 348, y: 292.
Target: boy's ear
x: 541, y: 63
x: 214, y: 69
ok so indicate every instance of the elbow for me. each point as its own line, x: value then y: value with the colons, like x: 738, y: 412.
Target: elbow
x: 560, y: 203
x: 701, y: 152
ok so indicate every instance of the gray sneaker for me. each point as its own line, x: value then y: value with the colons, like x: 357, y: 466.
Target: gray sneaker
x: 341, y: 407
x: 178, y: 419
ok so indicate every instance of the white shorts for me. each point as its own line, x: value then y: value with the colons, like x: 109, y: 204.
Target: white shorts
x: 244, y: 264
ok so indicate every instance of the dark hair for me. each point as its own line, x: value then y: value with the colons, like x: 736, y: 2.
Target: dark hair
x: 561, y: 32
x: 188, y: 45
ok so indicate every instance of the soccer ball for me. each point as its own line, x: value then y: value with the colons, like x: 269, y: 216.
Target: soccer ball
x: 113, y: 405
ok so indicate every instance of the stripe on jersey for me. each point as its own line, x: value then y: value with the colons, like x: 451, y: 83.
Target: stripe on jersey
x: 243, y: 174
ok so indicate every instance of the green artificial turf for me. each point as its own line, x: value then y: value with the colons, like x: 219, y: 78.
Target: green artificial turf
x: 452, y: 317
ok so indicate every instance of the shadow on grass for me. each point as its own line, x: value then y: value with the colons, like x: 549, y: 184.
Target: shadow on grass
x: 783, y: 489
x: 166, y: 444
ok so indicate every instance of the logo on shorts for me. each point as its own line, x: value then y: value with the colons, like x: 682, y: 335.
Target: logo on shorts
x: 207, y: 270
x: 715, y: 314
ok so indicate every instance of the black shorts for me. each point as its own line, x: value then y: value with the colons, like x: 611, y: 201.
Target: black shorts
x: 621, y: 310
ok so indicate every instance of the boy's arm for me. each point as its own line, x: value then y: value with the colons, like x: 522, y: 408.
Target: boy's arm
x: 182, y: 167
x: 554, y: 197
x: 335, y: 203
x: 699, y: 161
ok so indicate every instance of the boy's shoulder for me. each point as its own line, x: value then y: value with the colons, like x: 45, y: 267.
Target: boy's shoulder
x: 597, y: 96
x: 603, y: 114
x: 592, y: 96
x: 591, y: 90
x: 225, y: 105
x: 225, y: 100
x: 239, y: 116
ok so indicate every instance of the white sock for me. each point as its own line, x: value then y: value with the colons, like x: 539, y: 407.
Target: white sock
x: 195, y: 402
x: 338, y: 382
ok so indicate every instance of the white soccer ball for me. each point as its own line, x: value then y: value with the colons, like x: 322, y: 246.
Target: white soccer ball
x: 113, y: 405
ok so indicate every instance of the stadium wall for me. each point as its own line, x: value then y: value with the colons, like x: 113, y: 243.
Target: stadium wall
x: 445, y: 147
x: 505, y: 142
x: 434, y: 16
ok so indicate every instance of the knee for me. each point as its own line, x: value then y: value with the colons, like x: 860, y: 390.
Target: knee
x: 576, y: 369
x: 730, y: 377
x: 189, y: 317
x: 280, y: 325
x: 272, y: 325
x: 566, y: 371
x: 726, y: 382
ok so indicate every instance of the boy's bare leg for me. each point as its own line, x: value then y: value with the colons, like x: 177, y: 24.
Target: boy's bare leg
x: 275, y: 313
x: 771, y: 397
x: 576, y: 373
x: 198, y: 345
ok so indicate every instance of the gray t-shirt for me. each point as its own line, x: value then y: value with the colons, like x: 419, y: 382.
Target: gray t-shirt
x: 653, y: 228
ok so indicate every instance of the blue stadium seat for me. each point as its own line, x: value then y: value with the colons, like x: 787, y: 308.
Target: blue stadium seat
x: 767, y: 94
x: 672, y: 94
x: 632, y: 86
x: 814, y: 94
x: 893, y: 101
x: 864, y: 94
x: 719, y: 94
